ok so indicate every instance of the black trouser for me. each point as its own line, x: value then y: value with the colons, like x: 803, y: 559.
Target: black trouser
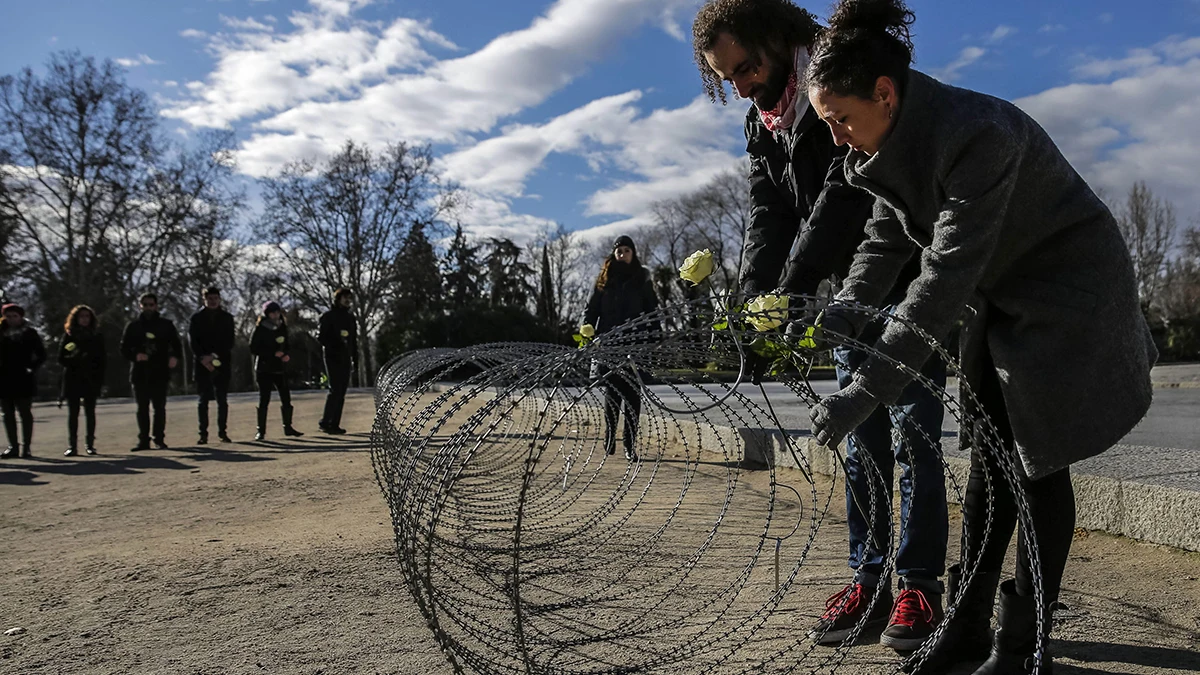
x: 621, y: 391
x: 148, y: 394
x: 339, y: 382
x: 13, y: 407
x: 212, y: 386
x: 1051, y: 503
x: 89, y: 412
x: 267, y: 382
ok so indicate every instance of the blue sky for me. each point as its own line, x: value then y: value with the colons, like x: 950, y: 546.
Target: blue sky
x: 586, y: 111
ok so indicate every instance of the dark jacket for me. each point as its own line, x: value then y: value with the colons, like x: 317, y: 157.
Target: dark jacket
x: 265, y: 341
x: 81, y: 354
x: 211, y: 332
x: 1005, y: 223
x: 21, y: 354
x: 160, y: 348
x: 800, y: 202
x: 622, y: 299
x: 338, y: 336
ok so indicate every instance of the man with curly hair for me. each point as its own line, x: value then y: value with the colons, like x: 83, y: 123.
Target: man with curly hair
x: 801, y: 203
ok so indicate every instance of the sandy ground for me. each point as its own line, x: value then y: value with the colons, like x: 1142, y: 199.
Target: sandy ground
x: 278, y: 557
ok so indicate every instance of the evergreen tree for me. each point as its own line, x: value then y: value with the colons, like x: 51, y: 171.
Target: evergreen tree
x: 508, y: 276
x: 418, y: 278
x: 546, y: 311
x: 463, y: 273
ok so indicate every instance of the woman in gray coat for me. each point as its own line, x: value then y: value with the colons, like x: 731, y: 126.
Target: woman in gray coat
x: 1056, y: 349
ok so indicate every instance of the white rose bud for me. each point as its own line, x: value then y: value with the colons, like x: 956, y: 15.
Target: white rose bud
x: 216, y: 363
x: 587, y: 330
x: 697, y: 267
x: 70, y: 346
x: 345, y: 333
x: 767, y: 312
x: 279, y: 339
x: 149, y: 336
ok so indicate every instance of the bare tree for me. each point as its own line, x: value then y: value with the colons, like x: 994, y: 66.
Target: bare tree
x: 1148, y: 226
x: 1179, y: 296
x: 342, y: 225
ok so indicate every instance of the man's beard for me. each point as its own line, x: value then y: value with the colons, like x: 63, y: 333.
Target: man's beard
x: 776, y: 84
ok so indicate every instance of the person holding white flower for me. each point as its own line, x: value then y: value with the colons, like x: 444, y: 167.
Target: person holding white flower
x: 82, y: 357
x: 152, y: 346
x: 211, y: 333
x: 339, y: 341
x: 21, y: 354
x: 271, y: 349
x: 623, y: 293
x: 801, y: 201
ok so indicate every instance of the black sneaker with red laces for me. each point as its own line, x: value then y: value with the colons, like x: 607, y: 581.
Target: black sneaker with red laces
x: 915, y: 615
x: 848, y: 608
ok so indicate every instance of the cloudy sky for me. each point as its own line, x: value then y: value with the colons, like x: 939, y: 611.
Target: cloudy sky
x: 584, y: 112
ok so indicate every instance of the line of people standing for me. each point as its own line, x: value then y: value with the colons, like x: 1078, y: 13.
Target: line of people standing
x: 153, y: 347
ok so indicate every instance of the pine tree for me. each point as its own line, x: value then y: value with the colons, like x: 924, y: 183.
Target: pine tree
x: 546, y: 311
x: 507, y: 275
x: 418, y: 278
x: 463, y: 273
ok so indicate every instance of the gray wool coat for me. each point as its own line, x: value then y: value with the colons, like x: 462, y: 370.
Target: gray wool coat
x: 1005, y: 225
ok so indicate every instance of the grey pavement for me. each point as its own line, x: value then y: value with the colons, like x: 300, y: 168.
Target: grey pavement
x: 1146, y: 487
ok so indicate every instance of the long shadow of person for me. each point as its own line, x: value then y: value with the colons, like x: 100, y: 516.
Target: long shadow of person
x: 1138, y: 655
x: 20, y: 478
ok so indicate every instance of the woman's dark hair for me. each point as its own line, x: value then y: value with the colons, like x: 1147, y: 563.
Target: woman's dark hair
x: 757, y: 25
x: 602, y: 280
x: 865, y: 40
x: 337, y: 295
x: 72, y: 321
x: 282, y: 319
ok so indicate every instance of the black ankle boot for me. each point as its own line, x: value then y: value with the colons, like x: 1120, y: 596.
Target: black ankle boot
x: 968, y: 635
x: 288, y: 429
x: 1016, y: 636
x: 262, y: 423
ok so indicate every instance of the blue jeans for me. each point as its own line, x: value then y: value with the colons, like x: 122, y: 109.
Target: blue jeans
x: 921, y: 554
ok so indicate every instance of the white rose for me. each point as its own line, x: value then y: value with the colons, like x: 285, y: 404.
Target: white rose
x: 767, y: 312
x: 587, y: 330
x: 279, y: 339
x: 697, y: 267
x: 149, y: 336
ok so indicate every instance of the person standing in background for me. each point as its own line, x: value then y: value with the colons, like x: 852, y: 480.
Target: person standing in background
x: 152, y: 346
x: 270, y: 347
x: 81, y: 355
x: 21, y: 354
x: 339, y: 341
x: 210, y: 331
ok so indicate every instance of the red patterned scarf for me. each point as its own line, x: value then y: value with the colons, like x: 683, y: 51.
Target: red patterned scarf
x: 790, y: 106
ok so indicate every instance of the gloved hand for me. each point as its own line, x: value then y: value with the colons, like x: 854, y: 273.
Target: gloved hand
x: 835, y: 416
x: 828, y: 329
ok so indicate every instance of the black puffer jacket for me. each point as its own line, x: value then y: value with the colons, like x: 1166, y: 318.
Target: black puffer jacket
x: 21, y: 354
x: 81, y: 354
x: 627, y: 295
x: 267, y: 339
x: 800, y: 202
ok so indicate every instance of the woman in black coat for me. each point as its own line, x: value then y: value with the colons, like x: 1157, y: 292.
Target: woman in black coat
x: 21, y: 354
x: 623, y: 293
x: 270, y: 347
x: 81, y: 355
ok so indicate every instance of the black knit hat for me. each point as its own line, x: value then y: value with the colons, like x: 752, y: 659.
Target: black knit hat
x: 624, y: 240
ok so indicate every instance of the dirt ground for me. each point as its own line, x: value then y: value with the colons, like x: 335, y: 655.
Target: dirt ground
x: 278, y: 557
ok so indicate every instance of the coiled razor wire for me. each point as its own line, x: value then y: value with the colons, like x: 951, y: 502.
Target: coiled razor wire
x: 528, y: 548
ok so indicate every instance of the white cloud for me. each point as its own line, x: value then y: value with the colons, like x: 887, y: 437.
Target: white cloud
x: 1106, y: 17
x: 1136, y: 125
x: 966, y: 57
x: 139, y: 60
x: 1102, y: 68
x: 247, y: 24
x: 192, y: 33
x: 999, y: 34
x: 1052, y: 28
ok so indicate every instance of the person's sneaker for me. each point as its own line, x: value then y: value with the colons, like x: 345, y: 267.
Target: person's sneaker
x: 203, y: 440
x: 846, y: 609
x: 224, y: 437
x: 914, y: 617
x: 70, y: 452
x: 9, y: 452
x: 91, y: 450
x: 160, y: 444
x: 260, y: 436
